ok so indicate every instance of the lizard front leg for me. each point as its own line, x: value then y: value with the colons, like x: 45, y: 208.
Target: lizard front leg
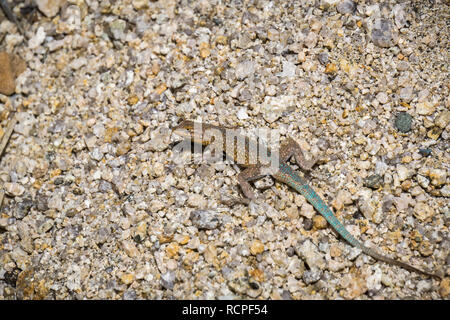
x: 290, y: 148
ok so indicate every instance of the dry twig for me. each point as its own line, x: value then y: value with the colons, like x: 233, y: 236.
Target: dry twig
x: 7, y: 134
x: 3, y: 143
x: 2, y: 194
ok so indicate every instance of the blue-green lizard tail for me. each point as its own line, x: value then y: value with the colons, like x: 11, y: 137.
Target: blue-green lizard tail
x: 287, y: 175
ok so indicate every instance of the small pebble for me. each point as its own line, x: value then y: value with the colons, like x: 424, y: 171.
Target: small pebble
x: 425, y: 152
x: 311, y: 276
x: 374, y: 181
x: 443, y: 119
x: 307, y: 224
x: 346, y: 6
x: 49, y: 8
x: 127, y: 278
x: 37, y: 39
x: 203, y: 219
x: 257, y: 247
x: 383, y: 33
x: 23, y: 208
x: 423, y: 212
x: 168, y: 280
x: 403, y: 122
x: 319, y: 222
x: 382, y: 97
x: 323, y: 58
x: 438, y: 177
x: 425, y: 108
x: 14, y: 189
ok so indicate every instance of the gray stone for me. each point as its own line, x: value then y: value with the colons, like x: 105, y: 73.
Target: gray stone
x: 22, y: 208
x: 309, y: 252
x: 383, y: 33
x: 346, y: 6
x: 374, y: 181
x: 204, y: 219
x: 403, y: 122
x: 323, y: 58
x: 168, y: 280
x: 244, y: 69
x: 311, y: 276
x: 117, y: 29
x: 49, y: 8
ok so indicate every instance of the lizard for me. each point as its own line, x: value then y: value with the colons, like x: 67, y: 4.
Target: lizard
x: 254, y: 168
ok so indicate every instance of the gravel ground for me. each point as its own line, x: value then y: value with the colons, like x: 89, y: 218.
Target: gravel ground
x: 97, y: 206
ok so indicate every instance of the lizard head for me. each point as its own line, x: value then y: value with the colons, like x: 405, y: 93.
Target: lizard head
x: 198, y: 132
x: 189, y: 130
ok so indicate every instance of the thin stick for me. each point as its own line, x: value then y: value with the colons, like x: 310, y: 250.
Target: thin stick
x: 2, y: 194
x: 7, y: 134
x: 10, y: 15
x: 3, y: 143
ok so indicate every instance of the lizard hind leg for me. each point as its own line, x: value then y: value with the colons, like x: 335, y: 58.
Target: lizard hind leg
x: 290, y: 148
x: 249, y: 174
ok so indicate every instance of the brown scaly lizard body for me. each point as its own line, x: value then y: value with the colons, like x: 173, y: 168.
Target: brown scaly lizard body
x: 240, y: 150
